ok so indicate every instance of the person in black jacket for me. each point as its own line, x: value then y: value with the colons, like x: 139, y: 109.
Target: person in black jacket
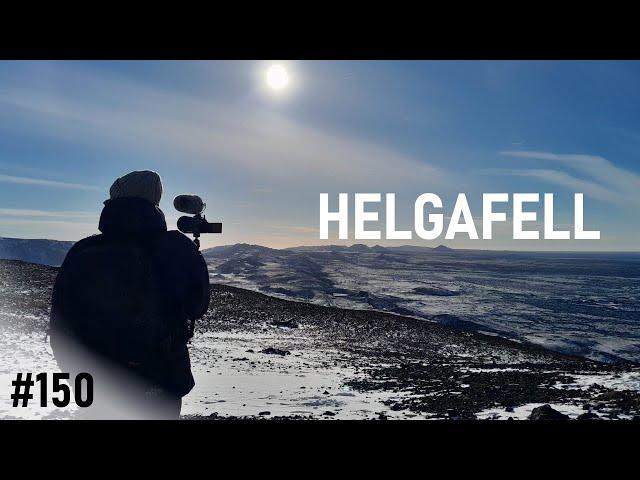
x: 125, y: 302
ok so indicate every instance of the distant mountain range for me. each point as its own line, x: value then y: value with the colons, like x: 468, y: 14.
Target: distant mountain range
x: 52, y: 252
x: 45, y: 252
x: 328, y: 274
x: 359, y: 247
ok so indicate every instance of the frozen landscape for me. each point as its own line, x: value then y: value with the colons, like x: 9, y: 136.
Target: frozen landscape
x: 258, y: 356
x: 585, y: 304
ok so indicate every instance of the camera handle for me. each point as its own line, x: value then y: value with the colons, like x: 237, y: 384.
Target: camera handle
x: 196, y: 235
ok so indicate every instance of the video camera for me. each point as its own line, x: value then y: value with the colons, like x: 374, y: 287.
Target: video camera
x: 197, y: 224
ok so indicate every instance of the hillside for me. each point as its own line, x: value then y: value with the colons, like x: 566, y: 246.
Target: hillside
x: 256, y: 356
x: 45, y: 252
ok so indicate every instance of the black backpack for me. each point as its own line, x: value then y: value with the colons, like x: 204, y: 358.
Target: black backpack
x: 111, y: 300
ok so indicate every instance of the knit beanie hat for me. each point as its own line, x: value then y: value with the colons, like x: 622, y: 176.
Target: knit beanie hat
x: 144, y: 184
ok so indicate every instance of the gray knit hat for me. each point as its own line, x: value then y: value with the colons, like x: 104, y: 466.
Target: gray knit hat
x: 140, y: 184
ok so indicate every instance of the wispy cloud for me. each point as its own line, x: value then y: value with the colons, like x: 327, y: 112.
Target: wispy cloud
x: 25, y: 212
x: 45, y: 183
x: 298, y: 229
x: 50, y: 228
x: 58, y: 224
x: 574, y: 184
x: 592, y: 175
x: 598, y: 168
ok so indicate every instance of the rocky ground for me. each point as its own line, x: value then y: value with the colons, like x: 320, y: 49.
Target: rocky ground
x: 432, y: 371
x: 256, y: 356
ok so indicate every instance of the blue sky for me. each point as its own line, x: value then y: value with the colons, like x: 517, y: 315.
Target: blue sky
x: 260, y: 158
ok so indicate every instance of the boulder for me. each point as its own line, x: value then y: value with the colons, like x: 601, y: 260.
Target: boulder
x: 275, y: 351
x: 545, y: 412
x: 588, y: 416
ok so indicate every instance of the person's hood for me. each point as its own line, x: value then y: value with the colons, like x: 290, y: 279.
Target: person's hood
x: 131, y: 216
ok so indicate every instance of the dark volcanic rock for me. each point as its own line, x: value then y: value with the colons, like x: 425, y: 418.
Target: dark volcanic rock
x: 275, y: 351
x: 438, y: 292
x: 588, y: 416
x: 285, y: 324
x: 456, y: 322
x: 545, y: 412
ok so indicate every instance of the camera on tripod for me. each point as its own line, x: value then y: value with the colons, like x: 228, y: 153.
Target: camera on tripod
x: 197, y: 224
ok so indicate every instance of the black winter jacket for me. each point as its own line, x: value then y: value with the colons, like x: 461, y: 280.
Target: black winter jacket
x: 185, y: 281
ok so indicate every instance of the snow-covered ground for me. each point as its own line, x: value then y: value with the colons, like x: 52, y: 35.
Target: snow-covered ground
x: 239, y: 381
x: 229, y: 381
x: 581, y: 304
x: 254, y: 354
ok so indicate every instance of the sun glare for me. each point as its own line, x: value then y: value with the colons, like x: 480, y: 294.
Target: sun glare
x: 277, y: 77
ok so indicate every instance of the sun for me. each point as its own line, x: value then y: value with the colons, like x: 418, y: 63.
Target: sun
x: 277, y: 77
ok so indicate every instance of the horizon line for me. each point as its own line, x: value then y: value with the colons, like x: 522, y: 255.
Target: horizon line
x: 368, y: 246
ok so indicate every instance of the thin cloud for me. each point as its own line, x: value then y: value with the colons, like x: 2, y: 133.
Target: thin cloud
x: 25, y: 212
x: 45, y: 183
x: 596, y: 176
x: 55, y: 229
x: 591, y: 189
x: 298, y: 229
x: 593, y: 166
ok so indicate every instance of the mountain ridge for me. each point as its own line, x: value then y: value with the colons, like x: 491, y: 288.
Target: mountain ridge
x: 40, y: 251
